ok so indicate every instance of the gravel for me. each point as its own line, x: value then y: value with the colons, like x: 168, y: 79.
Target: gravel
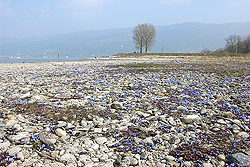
x: 135, y: 112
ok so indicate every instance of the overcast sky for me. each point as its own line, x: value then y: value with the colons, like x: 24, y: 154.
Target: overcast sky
x: 30, y: 18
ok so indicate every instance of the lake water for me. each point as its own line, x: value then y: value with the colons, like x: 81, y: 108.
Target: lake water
x: 36, y: 60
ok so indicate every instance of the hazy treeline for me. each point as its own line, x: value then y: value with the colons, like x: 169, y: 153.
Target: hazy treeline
x: 234, y: 44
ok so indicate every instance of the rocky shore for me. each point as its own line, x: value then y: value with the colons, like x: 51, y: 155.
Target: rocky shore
x: 160, y: 112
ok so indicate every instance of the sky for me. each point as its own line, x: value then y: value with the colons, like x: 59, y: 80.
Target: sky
x: 32, y: 18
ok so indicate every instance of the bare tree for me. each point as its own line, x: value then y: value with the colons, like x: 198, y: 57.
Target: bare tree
x: 144, y: 36
x: 205, y: 50
x: 245, y: 45
x: 232, y: 43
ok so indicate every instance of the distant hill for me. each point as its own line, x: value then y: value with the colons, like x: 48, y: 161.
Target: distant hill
x: 185, y: 37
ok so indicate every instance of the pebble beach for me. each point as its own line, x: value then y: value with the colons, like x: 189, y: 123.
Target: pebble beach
x: 132, y: 111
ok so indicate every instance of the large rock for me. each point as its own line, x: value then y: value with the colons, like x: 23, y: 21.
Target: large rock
x: 191, y: 118
x: 239, y: 159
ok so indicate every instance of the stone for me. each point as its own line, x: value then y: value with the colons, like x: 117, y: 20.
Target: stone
x: 173, y: 163
x: 98, y: 130
x: 222, y: 157
x: 239, y: 159
x: 25, y: 153
x: 14, y: 150
x: 181, y: 108
x: 11, y: 122
x: 133, y: 161
x: 61, y: 124
x: 125, y: 161
x: 84, y: 158
x: 60, y: 132
x: 243, y: 135
x: 51, y: 141
x: 5, y: 144
x: 21, y: 118
x: 84, y: 123
x: 68, y: 158
x: 101, y: 140
x: 25, y: 96
x: 11, y: 117
x: 95, y: 160
x: 207, y: 164
x: 170, y: 158
x: 116, y: 105
x: 143, y: 114
x: 103, y: 158
x: 20, y: 155
x: 69, y: 126
x: 118, y: 161
x: 191, y: 118
x: 188, y: 163
x: 95, y: 146
x: 54, y: 153
x: 221, y: 163
x: 19, y: 136
x: 171, y: 121
x: 143, y: 155
x: 174, y: 140
x: 228, y: 115
x: 247, y: 152
x: 88, y: 143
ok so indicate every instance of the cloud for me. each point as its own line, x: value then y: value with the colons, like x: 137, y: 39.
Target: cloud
x: 175, y: 1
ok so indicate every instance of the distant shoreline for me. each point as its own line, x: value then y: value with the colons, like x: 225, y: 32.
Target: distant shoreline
x: 187, y: 57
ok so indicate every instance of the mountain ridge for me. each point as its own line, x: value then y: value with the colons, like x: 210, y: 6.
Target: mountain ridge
x: 184, y: 37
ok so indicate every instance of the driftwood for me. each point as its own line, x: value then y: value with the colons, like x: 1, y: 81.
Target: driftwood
x: 43, y: 138
x: 83, y: 134
x: 242, y: 127
x: 45, y: 156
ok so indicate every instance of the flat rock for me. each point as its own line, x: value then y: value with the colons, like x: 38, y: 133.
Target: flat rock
x: 14, y: 150
x: 19, y: 136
